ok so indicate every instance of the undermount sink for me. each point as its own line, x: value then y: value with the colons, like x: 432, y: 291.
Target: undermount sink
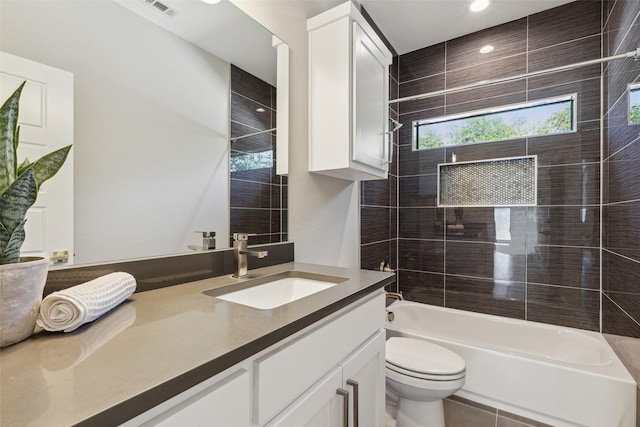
x: 274, y: 291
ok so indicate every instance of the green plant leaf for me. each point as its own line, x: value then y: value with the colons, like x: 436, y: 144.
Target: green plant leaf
x: 26, y: 164
x: 8, y: 139
x: 19, y: 184
x: 14, y: 203
x: 16, y: 140
x: 49, y: 164
x: 11, y: 252
x: 18, y: 198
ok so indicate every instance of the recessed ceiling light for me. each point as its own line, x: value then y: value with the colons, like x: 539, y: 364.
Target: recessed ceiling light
x: 486, y: 49
x: 211, y: 1
x: 260, y: 110
x: 479, y: 5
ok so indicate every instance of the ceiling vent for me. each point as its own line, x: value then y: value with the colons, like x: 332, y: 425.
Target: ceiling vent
x: 160, y: 7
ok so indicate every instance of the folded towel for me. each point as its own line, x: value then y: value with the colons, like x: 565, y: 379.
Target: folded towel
x: 70, y: 308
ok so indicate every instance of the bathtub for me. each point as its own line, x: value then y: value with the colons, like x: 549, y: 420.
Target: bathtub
x: 556, y: 375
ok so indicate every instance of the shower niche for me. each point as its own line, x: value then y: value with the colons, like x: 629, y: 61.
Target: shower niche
x: 494, y: 182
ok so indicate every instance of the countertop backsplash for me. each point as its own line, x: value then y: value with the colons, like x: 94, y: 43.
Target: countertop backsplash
x: 159, y: 272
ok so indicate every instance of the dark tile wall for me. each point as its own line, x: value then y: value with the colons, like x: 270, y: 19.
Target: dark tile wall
x: 621, y: 172
x: 462, y: 412
x: 379, y: 204
x: 258, y: 197
x: 621, y: 188
x: 540, y: 263
x: 572, y: 260
x: 379, y: 198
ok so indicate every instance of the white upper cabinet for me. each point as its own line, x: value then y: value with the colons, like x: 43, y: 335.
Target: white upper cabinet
x: 348, y: 96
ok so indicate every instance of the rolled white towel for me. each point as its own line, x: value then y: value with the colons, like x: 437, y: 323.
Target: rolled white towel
x: 70, y: 308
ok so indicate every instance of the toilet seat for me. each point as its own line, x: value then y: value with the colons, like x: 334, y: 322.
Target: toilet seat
x: 423, y: 360
x: 423, y: 376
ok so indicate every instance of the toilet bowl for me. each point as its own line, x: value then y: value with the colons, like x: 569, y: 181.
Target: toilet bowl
x: 419, y: 375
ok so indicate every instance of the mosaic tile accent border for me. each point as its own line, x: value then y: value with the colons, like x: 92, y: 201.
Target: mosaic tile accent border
x: 495, y: 182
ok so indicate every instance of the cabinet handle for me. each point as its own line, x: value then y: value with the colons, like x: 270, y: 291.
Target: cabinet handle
x: 356, y: 399
x: 345, y: 412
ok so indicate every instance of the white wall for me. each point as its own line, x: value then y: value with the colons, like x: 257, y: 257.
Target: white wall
x: 151, y: 125
x: 323, y: 211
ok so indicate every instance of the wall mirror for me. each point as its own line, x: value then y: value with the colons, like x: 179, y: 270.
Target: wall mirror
x: 152, y: 114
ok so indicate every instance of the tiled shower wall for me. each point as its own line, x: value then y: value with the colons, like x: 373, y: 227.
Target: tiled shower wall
x: 379, y: 206
x: 258, y: 196
x: 621, y: 169
x: 379, y: 198
x: 621, y: 189
x: 546, y: 268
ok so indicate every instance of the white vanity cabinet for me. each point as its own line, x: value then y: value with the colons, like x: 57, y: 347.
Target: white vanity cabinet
x: 307, y: 381
x: 304, y: 380
x: 320, y: 406
x: 363, y: 373
x: 348, y: 96
x: 223, y: 400
x: 350, y: 395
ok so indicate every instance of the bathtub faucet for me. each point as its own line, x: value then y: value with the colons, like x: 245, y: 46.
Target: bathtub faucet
x: 396, y: 295
x: 399, y: 297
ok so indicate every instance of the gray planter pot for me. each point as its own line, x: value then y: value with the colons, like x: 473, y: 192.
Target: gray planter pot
x: 21, y: 286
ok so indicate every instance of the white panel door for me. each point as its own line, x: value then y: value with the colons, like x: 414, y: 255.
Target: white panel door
x: 370, y: 105
x: 320, y: 406
x: 364, y: 376
x: 46, y: 124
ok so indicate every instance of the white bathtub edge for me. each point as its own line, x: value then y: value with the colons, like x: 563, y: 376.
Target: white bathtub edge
x: 564, y: 395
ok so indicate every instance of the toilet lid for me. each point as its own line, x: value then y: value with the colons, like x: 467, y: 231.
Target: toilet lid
x: 422, y: 357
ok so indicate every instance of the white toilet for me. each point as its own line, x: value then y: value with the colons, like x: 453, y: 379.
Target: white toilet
x: 420, y: 374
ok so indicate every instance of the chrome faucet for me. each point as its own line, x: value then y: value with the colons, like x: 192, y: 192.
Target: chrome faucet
x: 240, y: 254
x: 208, y: 241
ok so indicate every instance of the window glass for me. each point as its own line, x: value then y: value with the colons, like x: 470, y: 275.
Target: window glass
x: 634, y: 104
x: 251, y: 161
x: 544, y: 117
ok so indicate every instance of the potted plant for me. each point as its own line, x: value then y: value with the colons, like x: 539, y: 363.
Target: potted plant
x: 21, y: 279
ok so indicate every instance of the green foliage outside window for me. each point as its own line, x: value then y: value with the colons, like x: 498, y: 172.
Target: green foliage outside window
x: 556, y: 117
x: 561, y: 121
x: 634, y: 116
x: 634, y: 106
x: 251, y: 161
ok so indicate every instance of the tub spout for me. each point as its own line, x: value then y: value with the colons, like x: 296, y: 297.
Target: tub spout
x: 396, y: 295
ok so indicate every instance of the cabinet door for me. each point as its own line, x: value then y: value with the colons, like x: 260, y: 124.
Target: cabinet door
x: 320, y: 406
x: 283, y: 374
x: 370, y: 104
x: 224, y: 403
x: 364, y: 377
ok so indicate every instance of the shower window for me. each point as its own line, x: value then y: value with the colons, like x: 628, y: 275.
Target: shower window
x: 543, y: 117
x: 251, y: 161
x: 634, y: 104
